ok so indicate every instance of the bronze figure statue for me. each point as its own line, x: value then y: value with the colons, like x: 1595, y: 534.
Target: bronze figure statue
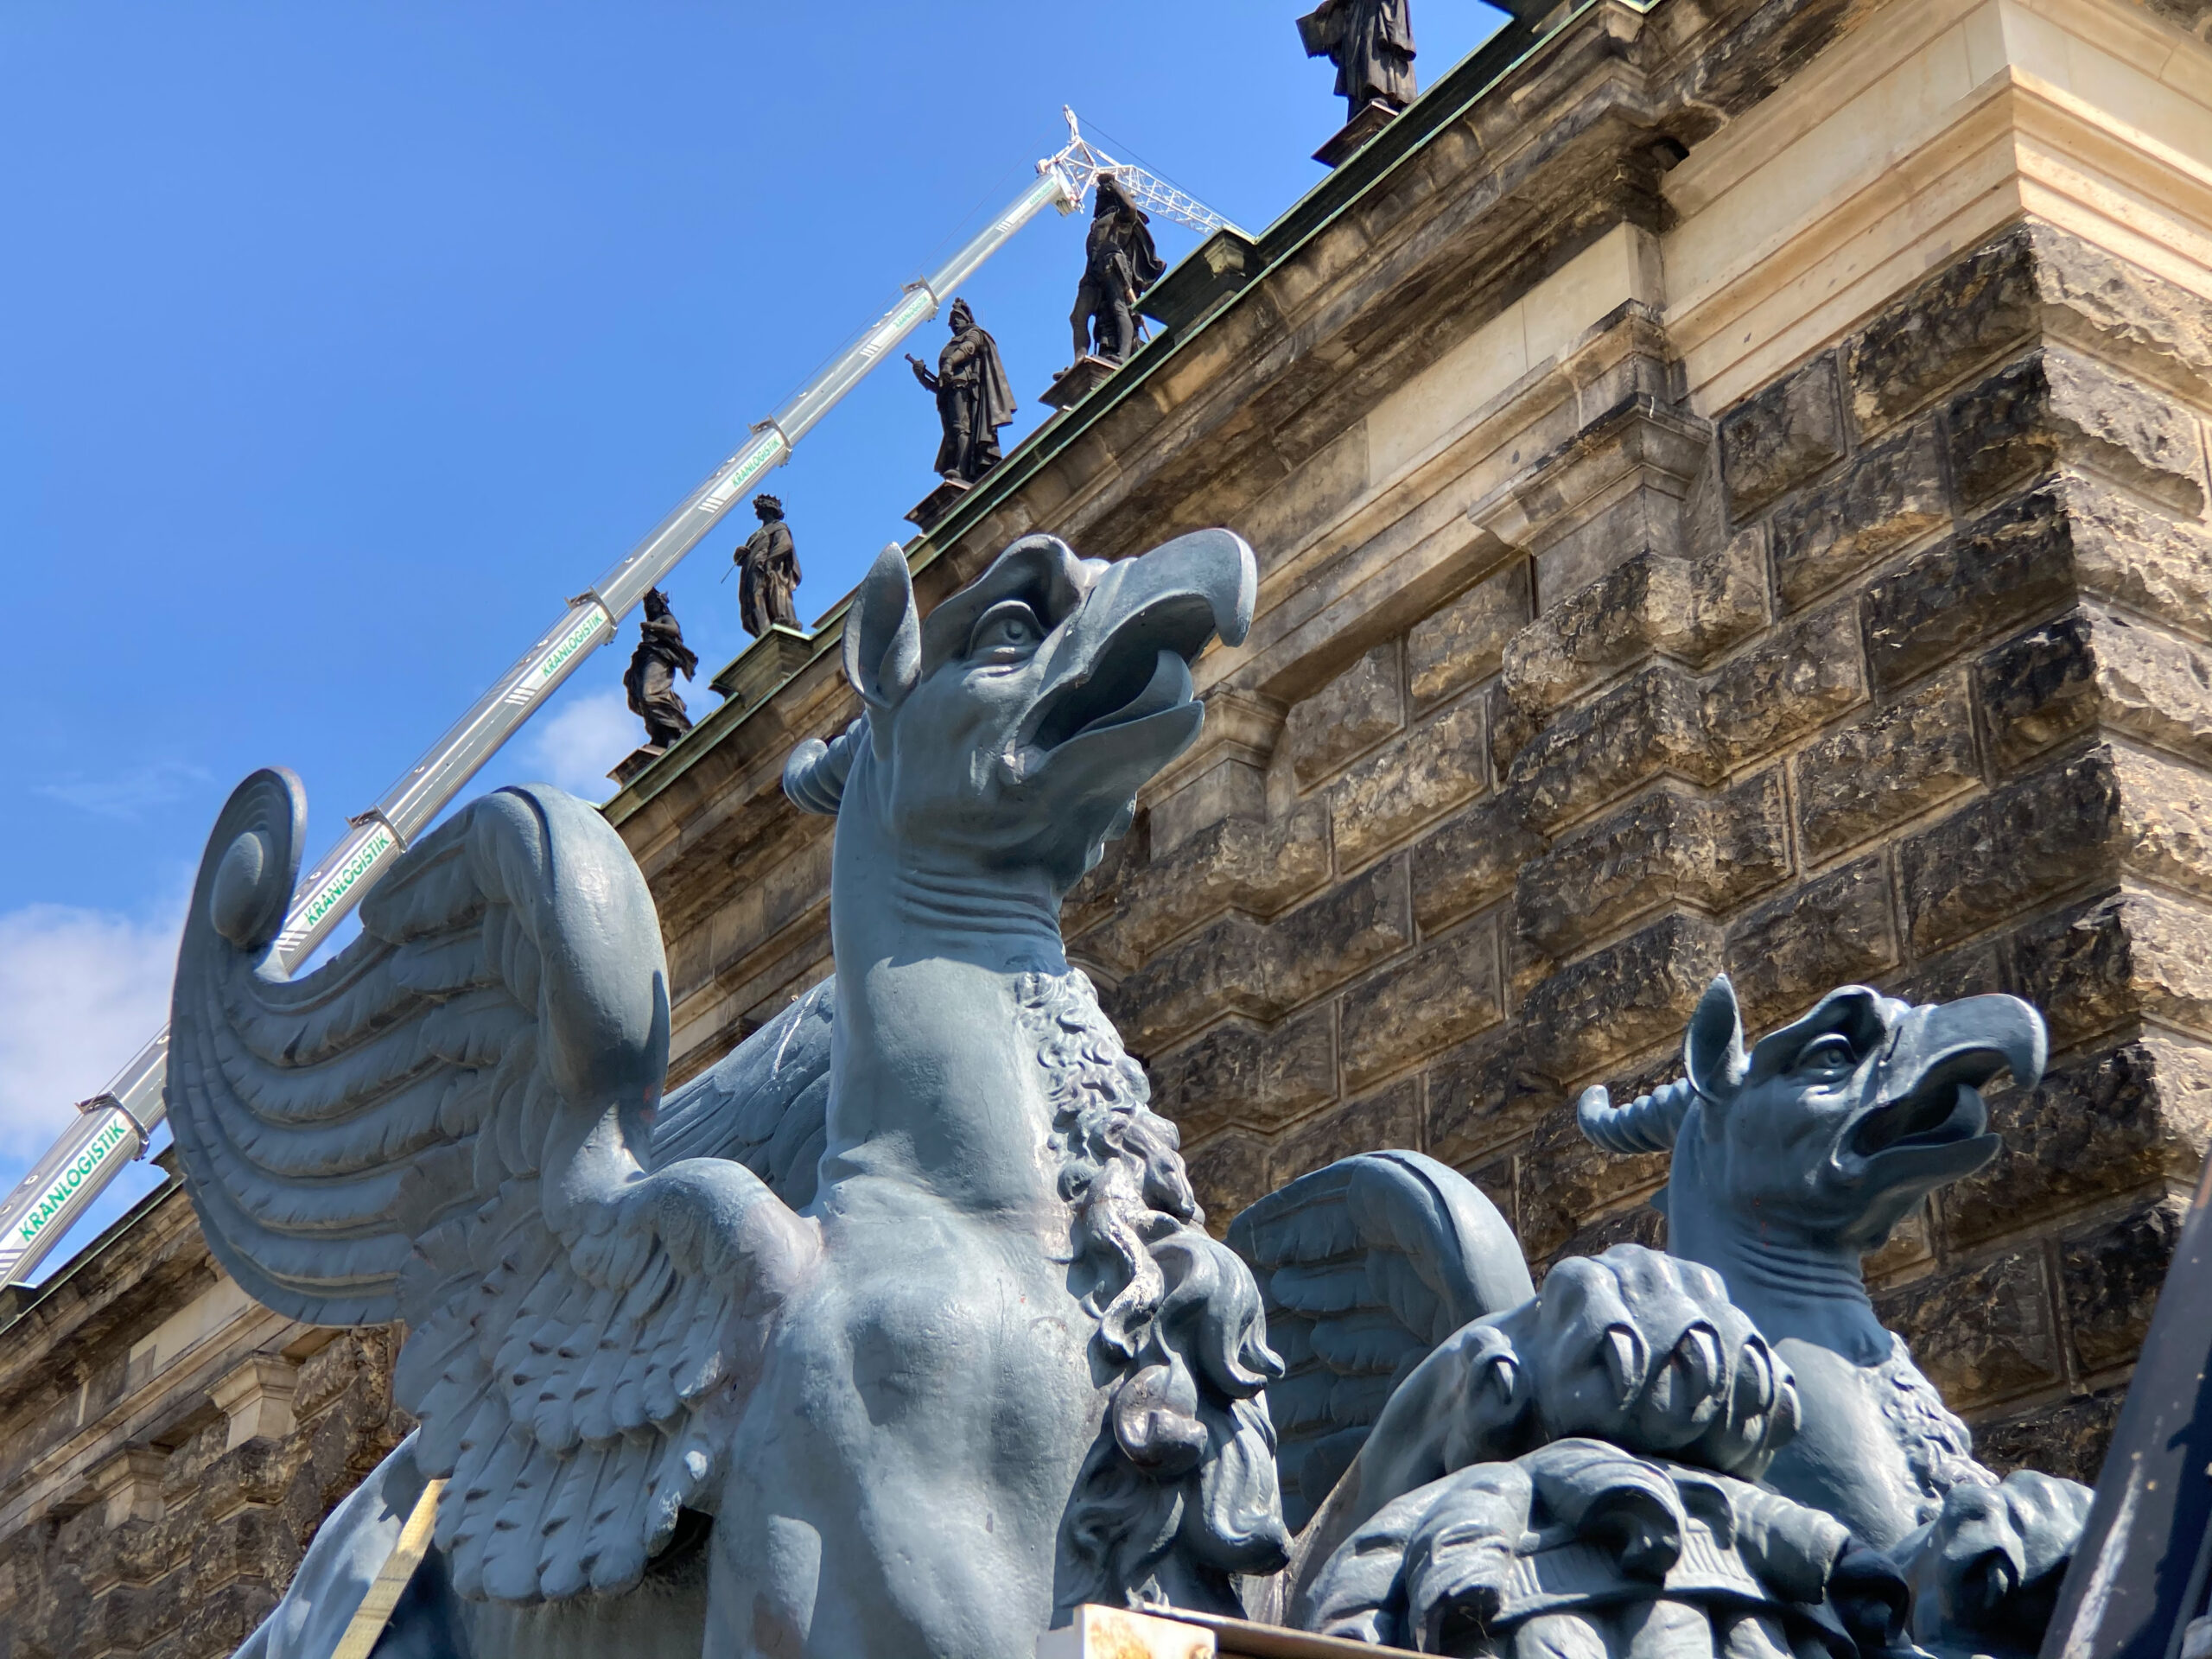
x: 1119, y: 265
x: 1372, y: 43
x: 651, y: 678
x: 767, y: 571
x: 973, y: 399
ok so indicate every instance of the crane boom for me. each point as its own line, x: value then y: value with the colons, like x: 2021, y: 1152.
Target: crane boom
x: 112, y: 1127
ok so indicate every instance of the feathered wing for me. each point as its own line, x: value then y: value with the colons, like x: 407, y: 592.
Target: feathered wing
x: 446, y: 1124
x: 766, y: 1105
x: 1364, y: 1267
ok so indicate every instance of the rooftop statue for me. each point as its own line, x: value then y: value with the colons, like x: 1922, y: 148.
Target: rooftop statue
x: 767, y: 571
x: 1372, y: 43
x: 649, y: 681
x: 1791, y: 1163
x: 1119, y: 265
x: 974, y: 398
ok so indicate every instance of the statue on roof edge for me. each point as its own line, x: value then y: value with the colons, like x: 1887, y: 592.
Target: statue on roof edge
x: 767, y: 572
x: 1372, y: 43
x: 649, y: 681
x: 974, y: 398
x: 1119, y: 265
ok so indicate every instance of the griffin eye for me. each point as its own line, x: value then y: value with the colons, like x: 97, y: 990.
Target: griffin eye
x: 1828, y: 1054
x: 1006, y: 633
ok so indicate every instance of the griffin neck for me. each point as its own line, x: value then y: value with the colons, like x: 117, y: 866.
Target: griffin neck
x: 937, y: 1085
x: 1792, y: 1283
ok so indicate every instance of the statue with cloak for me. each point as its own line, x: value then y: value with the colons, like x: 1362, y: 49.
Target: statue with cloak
x: 1372, y: 43
x: 973, y: 399
x: 767, y: 572
x: 651, y: 678
x: 1119, y: 263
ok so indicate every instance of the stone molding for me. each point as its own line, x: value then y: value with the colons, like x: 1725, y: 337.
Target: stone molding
x: 256, y: 1398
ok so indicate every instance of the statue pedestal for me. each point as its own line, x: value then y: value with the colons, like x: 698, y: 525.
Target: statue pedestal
x: 764, y: 665
x: 1071, y: 385
x: 1373, y: 117
x: 933, y: 507
x: 635, y: 762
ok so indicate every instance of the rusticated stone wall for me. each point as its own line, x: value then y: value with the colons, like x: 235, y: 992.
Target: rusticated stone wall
x: 168, y: 1449
x: 1929, y: 706
x: 1729, y: 488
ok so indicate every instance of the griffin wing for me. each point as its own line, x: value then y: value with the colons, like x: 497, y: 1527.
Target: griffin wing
x: 447, y: 1124
x: 1365, y: 1267
x: 765, y: 1106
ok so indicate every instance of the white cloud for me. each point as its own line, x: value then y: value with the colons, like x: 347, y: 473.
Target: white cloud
x: 80, y: 991
x: 127, y: 794
x: 574, y: 745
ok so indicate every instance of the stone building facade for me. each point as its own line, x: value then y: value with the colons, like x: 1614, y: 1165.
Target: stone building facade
x: 1729, y: 483
x: 1730, y: 490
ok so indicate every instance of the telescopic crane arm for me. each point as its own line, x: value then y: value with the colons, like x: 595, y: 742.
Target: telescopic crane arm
x: 112, y: 1127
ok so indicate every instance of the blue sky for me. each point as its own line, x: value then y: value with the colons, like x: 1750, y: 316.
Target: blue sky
x: 339, y: 344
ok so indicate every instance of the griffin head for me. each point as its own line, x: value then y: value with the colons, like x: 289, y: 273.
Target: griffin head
x: 1833, y: 1127
x: 1014, y: 726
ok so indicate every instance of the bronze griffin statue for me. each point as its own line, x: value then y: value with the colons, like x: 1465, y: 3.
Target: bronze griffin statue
x: 899, y: 1332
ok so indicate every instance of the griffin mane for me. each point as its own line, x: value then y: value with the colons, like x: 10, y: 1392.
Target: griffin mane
x: 1187, y: 1451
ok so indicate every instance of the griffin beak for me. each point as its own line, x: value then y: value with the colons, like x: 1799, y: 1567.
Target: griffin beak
x: 1124, y: 657
x: 1928, y: 1102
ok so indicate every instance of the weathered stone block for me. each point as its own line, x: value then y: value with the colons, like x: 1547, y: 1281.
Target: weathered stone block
x: 1981, y: 1332
x: 1782, y: 436
x: 2068, y: 1438
x: 1238, y: 863
x: 1653, y: 724
x: 2056, y: 403
x: 1891, y: 494
x: 1232, y: 787
x: 1832, y: 931
x: 2013, y: 563
x: 1355, y: 711
x: 2111, y: 1275
x: 1447, y: 991
x: 1888, y: 766
x: 1468, y: 860
x: 2128, y: 1118
x: 1785, y: 686
x: 2154, y: 685
x: 1339, y: 935
x: 2144, y: 558
x: 2166, y: 823
x: 1390, y: 1119
x: 1222, y: 969
x: 1236, y: 1073
x: 1460, y: 645
x: 1229, y: 1173
x: 1666, y: 846
x: 2039, y: 690
x: 1963, y: 315
x: 1991, y: 860
x: 2097, y: 966
x: 1565, y: 1181
x: 1634, y: 994
x: 1484, y: 1095
x: 1383, y: 799
x: 1688, y: 609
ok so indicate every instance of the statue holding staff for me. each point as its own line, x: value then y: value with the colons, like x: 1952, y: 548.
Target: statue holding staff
x: 973, y: 399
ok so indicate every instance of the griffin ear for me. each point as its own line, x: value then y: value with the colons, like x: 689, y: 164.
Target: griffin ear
x: 1713, y: 1051
x: 883, y: 638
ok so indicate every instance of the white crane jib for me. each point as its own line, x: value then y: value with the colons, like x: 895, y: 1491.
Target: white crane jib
x: 112, y: 1127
